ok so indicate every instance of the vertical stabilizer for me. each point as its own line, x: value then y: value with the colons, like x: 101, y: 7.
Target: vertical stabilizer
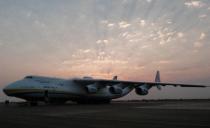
x: 157, y: 77
x: 115, y: 78
x: 157, y: 80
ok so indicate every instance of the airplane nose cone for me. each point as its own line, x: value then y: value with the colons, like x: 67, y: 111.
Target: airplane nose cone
x: 6, y: 90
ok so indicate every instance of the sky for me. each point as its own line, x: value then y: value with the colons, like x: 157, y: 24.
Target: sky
x: 103, y: 38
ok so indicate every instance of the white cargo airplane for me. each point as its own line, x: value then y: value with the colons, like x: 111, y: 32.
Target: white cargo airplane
x: 85, y: 90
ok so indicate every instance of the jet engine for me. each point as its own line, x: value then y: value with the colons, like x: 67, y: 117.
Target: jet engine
x: 141, y: 90
x: 116, y: 89
x: 92, y: 88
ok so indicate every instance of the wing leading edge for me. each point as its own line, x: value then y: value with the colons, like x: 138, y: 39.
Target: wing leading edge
x: 121, y: 88
x: 134, y: 83
x: 157, y: 82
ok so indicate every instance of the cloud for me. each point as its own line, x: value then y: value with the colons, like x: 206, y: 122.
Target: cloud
x: 104, y: 21
x: 39, y: 23
x: 142, y: 23
x: 106, y: 41
x: 110, y: 25
x: 99, y: 41
x: 124, y: 34
x: 149, y: 1
x: 203, y: 16
x: 145, y: 46
x: 112, y: 37
x: 29, y: 14
x: 194, y: 4
x: 180, y: 34
x: 135, y: 32
x: 86, y: 51
x: 198, y: 44
x: 162, y: 42
x: 202, y: 36
x: 123, y: 24
x: 110, y: 61
x: 165, y: 36
x: 95, y: 67
x: 102, y: 41
x: 169, y: 21
x: 164, y: 61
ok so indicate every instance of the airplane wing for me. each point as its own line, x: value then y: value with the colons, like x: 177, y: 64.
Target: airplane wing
x: 131, y: 83
x: 114, y: 81
x: 117, y: 86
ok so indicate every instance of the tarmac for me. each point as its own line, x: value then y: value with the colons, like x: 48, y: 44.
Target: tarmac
x: 141, y: 114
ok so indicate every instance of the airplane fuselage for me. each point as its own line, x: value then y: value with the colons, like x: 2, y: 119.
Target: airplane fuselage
x: 37, y: 88
x: 81, y: 90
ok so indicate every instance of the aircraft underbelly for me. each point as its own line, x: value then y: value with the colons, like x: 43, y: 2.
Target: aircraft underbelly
x: 66, y: 95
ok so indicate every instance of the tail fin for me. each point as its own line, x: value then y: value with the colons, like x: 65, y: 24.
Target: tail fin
x: 115, y: 78
x: 157, y: 79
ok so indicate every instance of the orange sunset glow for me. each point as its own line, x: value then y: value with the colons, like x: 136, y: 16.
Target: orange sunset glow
x: 103, y: 38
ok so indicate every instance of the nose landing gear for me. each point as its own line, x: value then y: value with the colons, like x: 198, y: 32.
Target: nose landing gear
x: 6, y: 102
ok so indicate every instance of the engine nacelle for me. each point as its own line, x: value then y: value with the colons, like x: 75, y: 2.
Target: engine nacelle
x: 116, y: 90
x: 141, y: 90
x: 92, y: 88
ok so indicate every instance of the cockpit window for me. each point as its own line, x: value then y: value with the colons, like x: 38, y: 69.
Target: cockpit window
x: 28, y: 77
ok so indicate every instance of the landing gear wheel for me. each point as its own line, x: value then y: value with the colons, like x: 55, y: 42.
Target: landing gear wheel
x: 6, y: 102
